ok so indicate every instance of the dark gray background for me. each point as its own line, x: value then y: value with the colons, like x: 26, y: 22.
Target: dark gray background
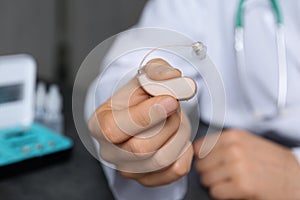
x: 60, y: 33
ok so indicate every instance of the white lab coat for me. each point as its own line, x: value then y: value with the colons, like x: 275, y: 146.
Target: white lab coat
x: 212, y: 21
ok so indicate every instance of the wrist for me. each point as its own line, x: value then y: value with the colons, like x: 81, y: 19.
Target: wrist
x: 293, y: 168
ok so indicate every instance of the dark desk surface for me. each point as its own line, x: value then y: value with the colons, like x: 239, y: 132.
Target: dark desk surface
x: 79, y: 177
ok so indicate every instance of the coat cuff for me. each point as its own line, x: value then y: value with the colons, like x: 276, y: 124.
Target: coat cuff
x: 296, y: 152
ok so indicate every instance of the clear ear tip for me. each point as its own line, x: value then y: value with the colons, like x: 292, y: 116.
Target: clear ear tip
x: 199, y: 49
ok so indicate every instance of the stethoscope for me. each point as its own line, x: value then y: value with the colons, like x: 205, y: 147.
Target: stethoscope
x: 282, y: 60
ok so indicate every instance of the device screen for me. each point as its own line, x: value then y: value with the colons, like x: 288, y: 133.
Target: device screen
x: 11, y: 93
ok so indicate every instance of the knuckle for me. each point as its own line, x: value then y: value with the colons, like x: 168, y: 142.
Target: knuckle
x: 161, y: 162
x: 177, y: 120
x: 108, y: 129
x: 198, y: 165
x: 214, y: 192
x: 204, y: 179
x: 145, y: 182
x: 125, y: 175
x: 173, y: 123
x: 139, y: 146
x: 245, y: 188
x: 141, y: 119
x: 94, y: 124
x: 180, y: 169
x: 241, y: 179
x: 235, y: 151
x: 240, y: 168
x: 231, y: 136
x: 110, y: 136
x: 105, y: 155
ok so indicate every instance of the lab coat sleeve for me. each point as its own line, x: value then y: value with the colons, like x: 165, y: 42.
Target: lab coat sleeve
x: 296, y: 152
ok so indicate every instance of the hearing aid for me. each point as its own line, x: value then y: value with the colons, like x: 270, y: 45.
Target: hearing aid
x: 181, y: 88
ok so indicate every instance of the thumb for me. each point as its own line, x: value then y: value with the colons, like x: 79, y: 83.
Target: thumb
x: 146, y: 114
x: 159, y: 69
x: 120, y: 125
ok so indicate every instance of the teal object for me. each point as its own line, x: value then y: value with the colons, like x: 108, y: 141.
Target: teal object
x: 240, y: 13
x: 18, y: 145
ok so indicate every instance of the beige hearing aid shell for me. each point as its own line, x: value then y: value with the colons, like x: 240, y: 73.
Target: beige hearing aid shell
x: 182, y: 88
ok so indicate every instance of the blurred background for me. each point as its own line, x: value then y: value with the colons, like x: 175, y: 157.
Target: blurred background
x: 60, y: 33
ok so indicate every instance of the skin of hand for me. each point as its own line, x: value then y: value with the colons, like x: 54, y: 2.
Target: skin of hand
x: 139, y: 132
x: 246, y: 166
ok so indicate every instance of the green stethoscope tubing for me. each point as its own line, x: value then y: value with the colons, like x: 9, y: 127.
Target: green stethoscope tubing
x: 241, y: 10
x: 281, y: 53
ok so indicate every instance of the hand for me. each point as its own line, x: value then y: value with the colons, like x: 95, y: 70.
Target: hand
x: 245, y: 166
x: 146, y: 138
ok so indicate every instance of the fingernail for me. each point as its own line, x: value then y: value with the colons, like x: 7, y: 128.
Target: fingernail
x: 167, y: 71
x: 162, y: 69
x: 170, y: 104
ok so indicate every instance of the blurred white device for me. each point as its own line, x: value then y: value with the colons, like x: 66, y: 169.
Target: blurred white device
x: 17, y: 83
